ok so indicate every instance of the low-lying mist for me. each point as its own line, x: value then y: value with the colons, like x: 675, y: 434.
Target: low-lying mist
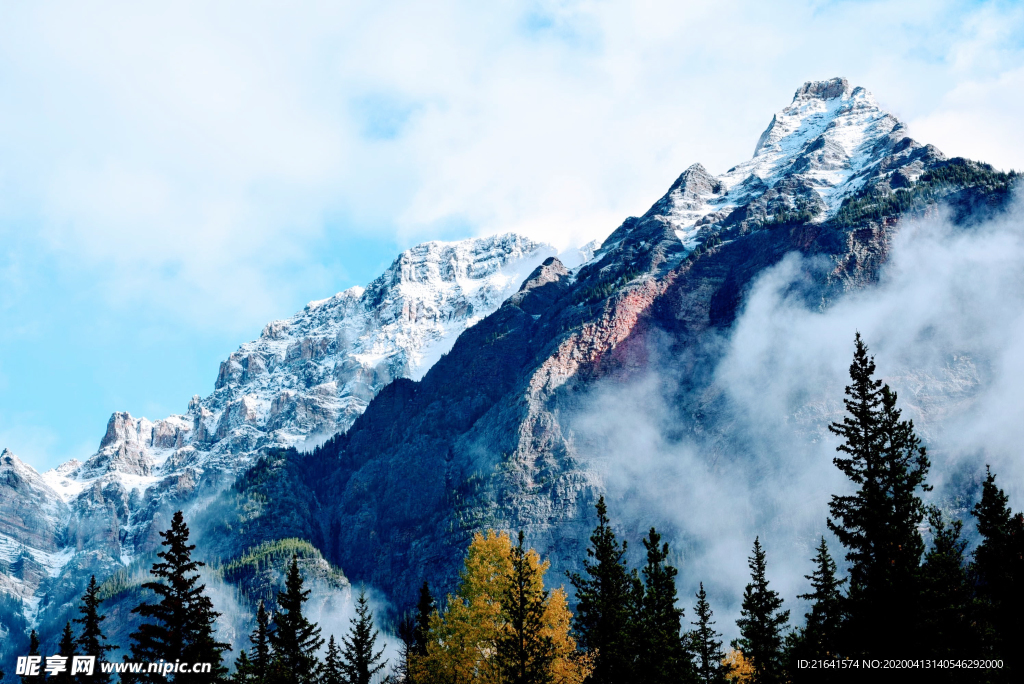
x: 330, y: 608
x: 749, y: 453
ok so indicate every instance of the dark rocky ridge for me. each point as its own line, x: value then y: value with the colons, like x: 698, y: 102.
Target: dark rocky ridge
x: 483, y: 440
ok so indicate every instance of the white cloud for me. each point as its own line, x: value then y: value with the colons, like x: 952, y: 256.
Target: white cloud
x: 980, y: 119
x: 194, y: 153
x: 946, y: 327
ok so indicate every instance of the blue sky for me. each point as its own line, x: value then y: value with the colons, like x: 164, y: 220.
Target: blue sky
x: 172, y: 178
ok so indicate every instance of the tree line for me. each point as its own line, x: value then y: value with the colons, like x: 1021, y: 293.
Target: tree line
x: 900, y: 597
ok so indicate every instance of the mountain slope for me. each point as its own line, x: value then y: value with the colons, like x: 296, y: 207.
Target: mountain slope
x: 305, y: 378
x: 486, y: 438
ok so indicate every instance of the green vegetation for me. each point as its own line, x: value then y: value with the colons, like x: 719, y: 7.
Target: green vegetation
x: 784, y: 216
x: 874, y: 205
x: 605, y: 287
x: 709, y: 243
x: 126, y: 582
x: 92, y: 640
x: 181, y: 624
x: 266, y: 556
x: 294, y: 639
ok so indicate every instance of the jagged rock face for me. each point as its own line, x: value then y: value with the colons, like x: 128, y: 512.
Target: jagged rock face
x: 315, y: 372
x: 829, y: 143
x: 308, y: 376
x: 32, y: 512
x: 32, y: 521
x: 485, y: 438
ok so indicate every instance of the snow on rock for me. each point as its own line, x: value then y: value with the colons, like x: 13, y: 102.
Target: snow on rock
x: 822, y: 148
x: 304, y: 379
x: 32, y: 518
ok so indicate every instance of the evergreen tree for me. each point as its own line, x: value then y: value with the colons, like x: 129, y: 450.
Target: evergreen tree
x: 33, y: 650
x: 604, y: 615
x: 243, y: 670
x: 706, y: 643
x: 662, y: 653
x: 424, y: 607
x: 998, y: 572
x: 820, y: 636
x: 260, y: 660
x: 402, y: 670
x: 92, y: 641
x: 359, y: 664
x: 65, y: 648
x: 878, y: 524
x: 762, y: 623
x: 333, y: 673
x: 946, y: 595
x: 182, y: 623
x: 525, y: 652
x: 295, y: 639
x: 415, y: 632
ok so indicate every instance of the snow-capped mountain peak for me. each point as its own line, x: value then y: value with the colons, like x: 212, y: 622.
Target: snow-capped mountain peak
x: 820, y: 149
x: 302, y: 380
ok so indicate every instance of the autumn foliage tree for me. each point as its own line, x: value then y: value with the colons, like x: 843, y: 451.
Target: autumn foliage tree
x: 470, y: 640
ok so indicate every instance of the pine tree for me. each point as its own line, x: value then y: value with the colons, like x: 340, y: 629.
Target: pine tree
x: 260, y: 660
x: 243, y: 670
x: 525, y: 652
x: 762, y: 623
x: 946, y: 595
x: 295, y: 639
x: 998, y: 572
x: 359, y: 663
x: 878, y: 524
x: 182, y: 623
x: 92, y: 641
x: 662, y: 653
x: 33, y: 650
x: 414, y: 631
x: 333, y: 673
x: 605, y: 601
x: 820, y: 636
x: 406, y: 632
x: 65, y: 648
x: 706, y: 643
x: 424, y: 607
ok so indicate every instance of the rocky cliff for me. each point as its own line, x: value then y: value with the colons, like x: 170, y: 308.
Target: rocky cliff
x: 487, y: 437
x: 304, y: 379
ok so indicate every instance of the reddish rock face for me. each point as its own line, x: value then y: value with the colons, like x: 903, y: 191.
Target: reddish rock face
x: 486, y: 438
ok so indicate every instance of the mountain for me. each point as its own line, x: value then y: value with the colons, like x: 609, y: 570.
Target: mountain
x: 385, y: 426
x: 490, y: 436
x: 304, y: 379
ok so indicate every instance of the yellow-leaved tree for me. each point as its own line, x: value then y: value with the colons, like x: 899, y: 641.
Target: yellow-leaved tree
x: 463, y: 641
x: 738, y: 668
